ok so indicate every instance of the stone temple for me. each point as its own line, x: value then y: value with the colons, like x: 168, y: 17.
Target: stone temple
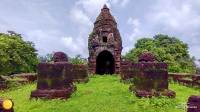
x: 105, y: 45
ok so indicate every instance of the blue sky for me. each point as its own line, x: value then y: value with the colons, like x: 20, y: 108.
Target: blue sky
x: 64, y: 25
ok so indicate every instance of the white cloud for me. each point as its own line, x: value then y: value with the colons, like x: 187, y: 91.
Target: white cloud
x: 135, y: 22
x: 79, y: 17
x: 115, y: 1
x: 45, y: 41
x: 70, y: 45
x: 124, y: 3
x: 162, y: 15
x: 134, y: 35
x: 48, y: 41
x: 186, y: 8
x: 126, y: 49
x: 176, y: 18
x: 92, y: 7
x: 38, y: 12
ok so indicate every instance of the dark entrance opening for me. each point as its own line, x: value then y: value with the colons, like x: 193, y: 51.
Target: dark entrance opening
x: 105, y: 63
x: 104, y: 39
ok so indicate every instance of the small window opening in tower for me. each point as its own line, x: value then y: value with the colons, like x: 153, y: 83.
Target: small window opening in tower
x: 105, y: 39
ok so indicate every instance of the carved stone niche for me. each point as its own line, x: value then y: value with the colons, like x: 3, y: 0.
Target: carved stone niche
x: 55, y: 79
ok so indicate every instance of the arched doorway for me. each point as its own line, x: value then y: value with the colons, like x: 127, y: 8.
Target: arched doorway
x: 105, y: 63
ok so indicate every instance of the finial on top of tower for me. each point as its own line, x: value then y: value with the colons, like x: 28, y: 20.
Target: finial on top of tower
x: 105, y: 7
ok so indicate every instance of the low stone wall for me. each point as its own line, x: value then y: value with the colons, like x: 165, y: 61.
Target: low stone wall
x: 126, y: 71
x: 28, y: 77
x: 80, y: 73
x: 189, y: 79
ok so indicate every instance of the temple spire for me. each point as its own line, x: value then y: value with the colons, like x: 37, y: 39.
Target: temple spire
x: 105, y: 7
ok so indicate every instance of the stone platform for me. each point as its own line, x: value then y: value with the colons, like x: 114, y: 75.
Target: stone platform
x: 53, y: 93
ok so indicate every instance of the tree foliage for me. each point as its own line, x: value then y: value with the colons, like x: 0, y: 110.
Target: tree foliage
x: 167, y: 49
x: 46, y: 58
x: 78, y: 59
x: 16, y: 55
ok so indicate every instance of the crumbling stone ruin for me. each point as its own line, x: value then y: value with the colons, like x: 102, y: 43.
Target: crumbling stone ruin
x: 80, y: 73
x: 189, y: 79
x: 126, y: 71
x: 25, y: 78
x: 55, y: 79
x: 146, y: 57
x: 150, y: 78
x: 59, y: 57
x: 105, y: 45
x: 193, y: 104
x: 2, y: 84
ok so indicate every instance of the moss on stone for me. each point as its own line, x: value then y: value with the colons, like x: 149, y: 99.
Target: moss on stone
x: 49, y: 81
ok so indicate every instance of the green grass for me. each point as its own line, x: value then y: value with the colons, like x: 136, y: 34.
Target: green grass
x: 180, y: 73
x: 100, y: 94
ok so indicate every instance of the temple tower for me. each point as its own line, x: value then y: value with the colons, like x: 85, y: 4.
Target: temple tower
x: 104, y: 45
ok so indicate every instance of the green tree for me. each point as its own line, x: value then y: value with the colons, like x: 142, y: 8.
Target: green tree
x: 167, y: 49
x: 78, y: 59
x: 46, y: 58
x: 16, y: 55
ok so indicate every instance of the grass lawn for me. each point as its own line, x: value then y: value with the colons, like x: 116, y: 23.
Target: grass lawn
x: 100, y: 94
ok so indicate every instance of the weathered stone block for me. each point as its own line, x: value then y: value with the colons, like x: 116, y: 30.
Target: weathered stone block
x: 150, y: 78
x: 146, y: 57
x: 143, y: 93
x: 28, y: 77
x: 80, y: 73
x: 59, y: 57
x: 193, y: 104
x: 55, y: 79
x: 42, y: 83
x: 117, y: 64
x: 64, y: 93
x: 196, y: 77
x: 126, y: 62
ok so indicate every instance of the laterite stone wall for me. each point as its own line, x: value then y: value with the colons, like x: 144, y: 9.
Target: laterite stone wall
x: 80, y: 73
x: 149, y: 78
x: 188, y: 79
x: 126, y: 70
x: 55, y: 79
x: 56, y: 75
